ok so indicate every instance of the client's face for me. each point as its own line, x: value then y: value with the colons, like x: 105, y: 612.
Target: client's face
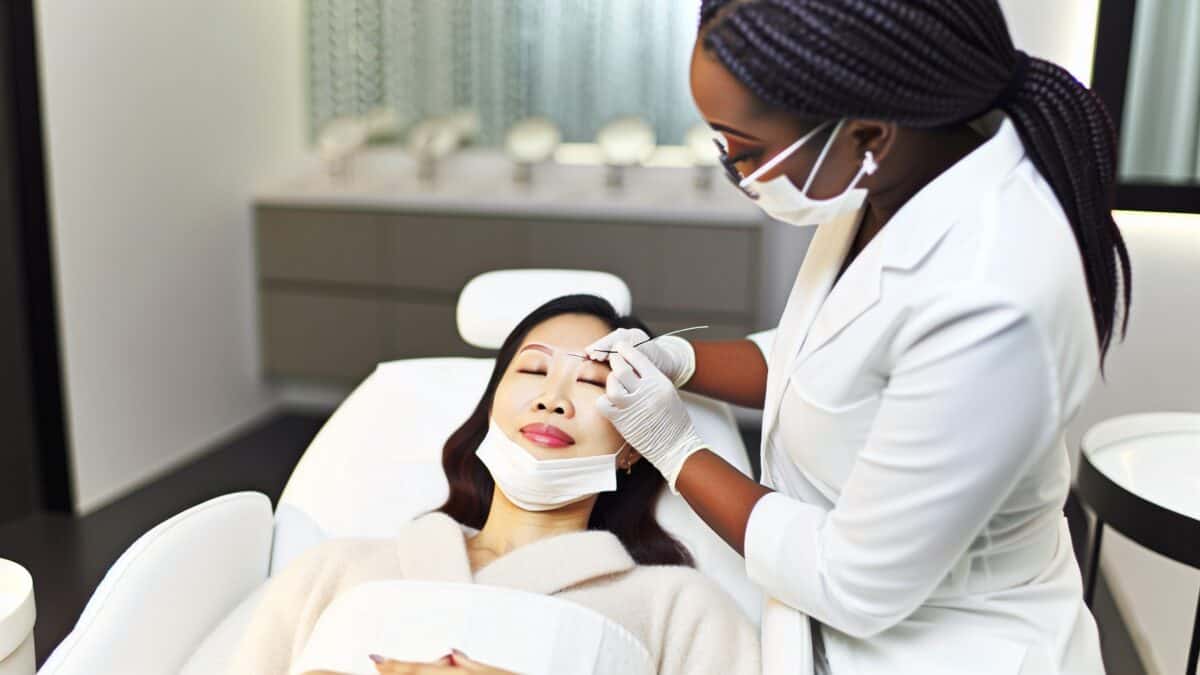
x: 546, y: 399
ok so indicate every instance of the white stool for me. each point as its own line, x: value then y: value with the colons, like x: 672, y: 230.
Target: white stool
x: 16, y: 620
x: 1138, y: 474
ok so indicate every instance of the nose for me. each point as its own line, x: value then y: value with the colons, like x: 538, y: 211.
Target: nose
x: 554, y: 402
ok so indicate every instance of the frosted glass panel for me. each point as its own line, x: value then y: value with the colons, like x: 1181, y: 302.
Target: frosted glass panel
x: 578, y: 62
x: 1160, y: 135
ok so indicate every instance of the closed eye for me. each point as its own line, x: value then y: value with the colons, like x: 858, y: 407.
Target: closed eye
x: 532, y: 372
x: 602, y: 385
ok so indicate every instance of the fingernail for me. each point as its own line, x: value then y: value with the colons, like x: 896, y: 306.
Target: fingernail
x: 376, y: 658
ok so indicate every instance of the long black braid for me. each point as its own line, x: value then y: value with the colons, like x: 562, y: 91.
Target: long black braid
x: 931, y: 63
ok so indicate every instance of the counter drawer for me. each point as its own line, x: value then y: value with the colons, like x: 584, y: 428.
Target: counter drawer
x: 321, y: 245
x: 443, y: 253
x: 323, y: 336
x: 415, y: 330
x: 705, y: 268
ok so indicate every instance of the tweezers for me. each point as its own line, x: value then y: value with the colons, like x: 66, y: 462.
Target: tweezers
x: 674, y: 332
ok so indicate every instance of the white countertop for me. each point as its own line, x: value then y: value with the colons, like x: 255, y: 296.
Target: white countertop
x: 480, y: 182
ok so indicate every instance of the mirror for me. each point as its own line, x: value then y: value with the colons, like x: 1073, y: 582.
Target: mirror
x: 1147, y: 71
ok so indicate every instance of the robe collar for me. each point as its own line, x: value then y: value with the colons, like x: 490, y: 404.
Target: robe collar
x: 433, y: 548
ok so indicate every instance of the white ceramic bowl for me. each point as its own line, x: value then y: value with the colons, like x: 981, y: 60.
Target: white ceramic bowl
x: 16, y: 620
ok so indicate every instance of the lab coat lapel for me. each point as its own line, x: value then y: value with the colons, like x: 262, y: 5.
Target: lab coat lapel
x: 557, y: 563
x: 817, y: 272
x: 856, y: 292
x: 901, y: 244
x: 913, y: 232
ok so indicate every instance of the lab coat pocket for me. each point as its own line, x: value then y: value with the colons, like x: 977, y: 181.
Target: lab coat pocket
x: 824, y: 441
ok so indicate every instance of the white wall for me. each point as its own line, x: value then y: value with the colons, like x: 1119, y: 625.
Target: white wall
x: 159, y: 117
x: 1156, y: 369
x: 1062, y: 31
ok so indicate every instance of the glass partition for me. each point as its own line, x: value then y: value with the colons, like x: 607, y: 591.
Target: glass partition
x: 580, y: 63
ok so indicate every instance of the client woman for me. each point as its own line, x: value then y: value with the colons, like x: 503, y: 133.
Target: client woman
x: 584, y: 531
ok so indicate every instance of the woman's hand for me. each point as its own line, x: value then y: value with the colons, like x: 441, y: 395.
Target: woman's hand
x: 454, y: 662
x: 671, y: 354
x: 643, y: 405
x: 648, y: 412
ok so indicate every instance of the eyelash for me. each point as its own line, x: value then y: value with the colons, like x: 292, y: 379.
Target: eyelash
x: 749, y: 154
x: 542, y: 374
x: 743, y: 156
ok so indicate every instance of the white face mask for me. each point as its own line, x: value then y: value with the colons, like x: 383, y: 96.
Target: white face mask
x: 544, y: 484
x: 783, y: 201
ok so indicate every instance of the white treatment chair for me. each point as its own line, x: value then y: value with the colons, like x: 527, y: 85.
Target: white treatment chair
x: 179, y: 598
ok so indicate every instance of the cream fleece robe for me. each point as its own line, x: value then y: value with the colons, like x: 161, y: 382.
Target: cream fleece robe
x: 688, y: 624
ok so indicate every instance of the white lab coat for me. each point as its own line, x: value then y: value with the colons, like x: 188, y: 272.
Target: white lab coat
x: 913, y: 430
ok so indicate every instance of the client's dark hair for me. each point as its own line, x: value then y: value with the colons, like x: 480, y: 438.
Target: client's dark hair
x: 628, y: 513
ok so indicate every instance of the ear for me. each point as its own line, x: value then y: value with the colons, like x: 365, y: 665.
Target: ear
x: 872, y: 135
x: 627, y: 457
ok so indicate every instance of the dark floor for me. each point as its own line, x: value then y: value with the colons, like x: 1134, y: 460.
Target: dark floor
x: 68, y: 556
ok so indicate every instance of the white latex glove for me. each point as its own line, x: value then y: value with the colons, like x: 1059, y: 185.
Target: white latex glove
x: 647, y: 410
x: 670, y: 354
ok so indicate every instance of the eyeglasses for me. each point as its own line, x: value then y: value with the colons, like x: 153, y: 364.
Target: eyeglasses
x: 741, y: 182
x: 731, y: 170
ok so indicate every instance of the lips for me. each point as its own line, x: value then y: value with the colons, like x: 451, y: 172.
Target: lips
x: 547, y: 435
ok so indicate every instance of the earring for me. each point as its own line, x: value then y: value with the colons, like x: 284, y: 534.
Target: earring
x: 629, y: 469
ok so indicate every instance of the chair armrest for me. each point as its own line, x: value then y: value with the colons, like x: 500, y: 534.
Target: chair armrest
x: 170, y: 588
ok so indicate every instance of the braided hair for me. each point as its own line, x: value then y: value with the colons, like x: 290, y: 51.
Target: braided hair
x: 932, y: 63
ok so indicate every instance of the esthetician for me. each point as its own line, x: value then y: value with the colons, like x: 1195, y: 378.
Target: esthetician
x: 965, y: 281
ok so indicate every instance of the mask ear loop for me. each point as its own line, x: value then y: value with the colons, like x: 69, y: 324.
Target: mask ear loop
x: 868, y: 167
x: 821, y: 158
x: 787, y: 152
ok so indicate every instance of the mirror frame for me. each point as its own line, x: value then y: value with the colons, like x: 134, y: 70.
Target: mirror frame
x: 1110, y: 74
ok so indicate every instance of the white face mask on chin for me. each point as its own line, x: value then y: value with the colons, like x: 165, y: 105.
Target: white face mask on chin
x: 544, y: 484
x: 781, y: 200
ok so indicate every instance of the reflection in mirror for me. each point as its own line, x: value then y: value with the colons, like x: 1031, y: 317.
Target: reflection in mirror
x: 1160, y: 126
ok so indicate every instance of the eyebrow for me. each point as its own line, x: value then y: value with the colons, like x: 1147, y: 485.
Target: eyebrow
x: 550, y: 352
x: 539, y: 347
x: 730, y: 130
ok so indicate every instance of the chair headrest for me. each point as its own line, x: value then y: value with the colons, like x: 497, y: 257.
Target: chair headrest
x: 493, y: 303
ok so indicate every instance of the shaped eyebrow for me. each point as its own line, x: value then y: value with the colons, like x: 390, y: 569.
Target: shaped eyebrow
x: 716, y: 126
x: 549, y: 351
x: 539, y: 347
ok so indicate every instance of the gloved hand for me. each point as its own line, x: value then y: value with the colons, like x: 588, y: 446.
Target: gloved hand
x: 670, y: 354
x: 647, y: 410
